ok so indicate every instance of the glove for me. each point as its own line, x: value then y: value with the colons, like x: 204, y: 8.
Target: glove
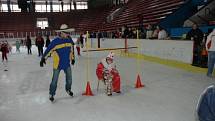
x: 43, y: 61
x: 73, y: 62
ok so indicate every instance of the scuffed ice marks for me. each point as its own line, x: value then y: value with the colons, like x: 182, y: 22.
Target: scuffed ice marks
x: 32, y: 82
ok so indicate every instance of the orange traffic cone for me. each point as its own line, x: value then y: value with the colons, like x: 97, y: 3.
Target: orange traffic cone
x: 138, y: 82
x: 88, y: 90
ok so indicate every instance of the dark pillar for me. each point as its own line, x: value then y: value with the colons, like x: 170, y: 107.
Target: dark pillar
x: 51, y: 6
x: 46, y: 5
x: 62, y: 5
x: 74, y: 3
x: 8, y: 6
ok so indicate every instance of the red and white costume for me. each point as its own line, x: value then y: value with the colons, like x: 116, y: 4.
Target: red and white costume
x: 103, y: 67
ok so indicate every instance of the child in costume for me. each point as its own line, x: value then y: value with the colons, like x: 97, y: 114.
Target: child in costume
x: 107, y: 72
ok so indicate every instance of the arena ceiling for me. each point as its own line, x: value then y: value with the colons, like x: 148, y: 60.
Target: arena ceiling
x: 41, y: 1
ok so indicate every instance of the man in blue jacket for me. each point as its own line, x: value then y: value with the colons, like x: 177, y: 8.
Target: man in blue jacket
x: 206, y: 105
x: 62, y: 51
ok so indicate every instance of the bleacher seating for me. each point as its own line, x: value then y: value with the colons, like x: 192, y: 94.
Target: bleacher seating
x: 92, y: 19
x: 26, y: 22
x: 151, y: 10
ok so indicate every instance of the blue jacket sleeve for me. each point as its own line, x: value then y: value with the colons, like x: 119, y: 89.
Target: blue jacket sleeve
x: 49, y: 49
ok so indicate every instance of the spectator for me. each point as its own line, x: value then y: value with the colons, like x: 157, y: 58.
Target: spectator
x: 126, y: 32
x: 162, y: 34
x: 210, y: 47
x: 40, y: 44
x: 94, y: 34
x: 142, y: 32
x: 130, y: 35
x: 149, y: 31
x: 82, y: 40
x: 155, y: 33
x: 113, y: 34
x: 99, y: 38
x: 134, y: 33
x: 78, y: 44
x: 196, y: 35
x: 47, y: 41
x: 22, y: 42
x: 28, y: 44
x: 204, y: 53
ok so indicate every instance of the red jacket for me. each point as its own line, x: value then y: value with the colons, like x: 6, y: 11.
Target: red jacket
x: 4, y: 48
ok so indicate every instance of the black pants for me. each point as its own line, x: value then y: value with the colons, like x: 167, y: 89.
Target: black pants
x: 196, y: 55
x: 29, y: 49
x: 40, y: 50
x: 204, y: 61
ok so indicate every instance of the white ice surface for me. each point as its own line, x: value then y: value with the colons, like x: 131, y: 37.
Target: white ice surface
x: 170, y: 94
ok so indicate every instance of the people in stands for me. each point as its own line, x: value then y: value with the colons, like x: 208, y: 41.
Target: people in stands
x: 206, y: 105
x: 210, y: 47
x: 149, y: 31
x: 28, y: 44
x: 142, y: 32
x: 130, y: 35
x: 134, y: 33
x: 40, y: 44
x: 204, y: 53
x: 155, y: 33
x: 106, y: 71
x: 162, y: 34
x: 118, y: 33
x: 196, y: 35
x: 126, y: 32
x: 94, y: 34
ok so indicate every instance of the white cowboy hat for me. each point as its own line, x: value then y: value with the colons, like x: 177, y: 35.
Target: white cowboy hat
x: 65, y: 28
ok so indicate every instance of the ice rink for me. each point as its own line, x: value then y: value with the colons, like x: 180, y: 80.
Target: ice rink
x: 170, y: 94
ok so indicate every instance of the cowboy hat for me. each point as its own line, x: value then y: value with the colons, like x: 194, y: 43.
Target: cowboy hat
x: 65, y: 28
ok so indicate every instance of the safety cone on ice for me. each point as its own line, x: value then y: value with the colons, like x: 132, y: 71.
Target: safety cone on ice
x: 88, y: 90
x: 138, y: 82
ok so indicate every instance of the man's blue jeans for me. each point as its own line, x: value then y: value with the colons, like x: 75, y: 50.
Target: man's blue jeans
x: 53, y: 85
x: 211, y: 62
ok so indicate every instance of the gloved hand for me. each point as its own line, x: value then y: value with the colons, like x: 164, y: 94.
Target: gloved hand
x: 73, y: 62
x: 43, y: 61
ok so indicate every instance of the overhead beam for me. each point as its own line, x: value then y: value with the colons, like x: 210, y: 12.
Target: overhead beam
x: 106, y: 49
